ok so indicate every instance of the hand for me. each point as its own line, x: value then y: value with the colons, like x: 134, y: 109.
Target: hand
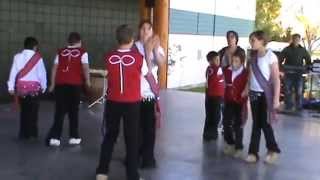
x: 244, y: 93
x: 276, y: 104
x: 51, y: 88
x: 11, y: 92
x: 88, y: 84
x: 156, y: 41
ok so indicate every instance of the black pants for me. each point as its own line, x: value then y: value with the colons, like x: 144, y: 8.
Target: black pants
x: 130, y: 113
x: 213, y: 116
x: 29, y: 107
x: 148, y: 131
x: 260, y: 122
x: 67, y: 102
x: 232, y: 125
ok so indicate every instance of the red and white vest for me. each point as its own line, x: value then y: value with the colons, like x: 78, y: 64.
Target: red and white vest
x: 235, y: 88
x: 215, y: 81
x: 69, y: 70
x: 124, y: 75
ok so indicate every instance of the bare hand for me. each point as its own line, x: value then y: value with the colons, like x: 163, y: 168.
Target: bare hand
x: 244, y: 93
x: 11, y: 92
x: 276, y: 104
x: 51, y: 88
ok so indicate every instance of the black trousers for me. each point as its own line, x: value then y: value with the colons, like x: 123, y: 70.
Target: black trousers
x: 29, y: 107
x: 67, y: 102
x: 233, y: 131
x: 213, y: 116
x: 148, y: 131
x: 260, y: 122
x: 130, y: 113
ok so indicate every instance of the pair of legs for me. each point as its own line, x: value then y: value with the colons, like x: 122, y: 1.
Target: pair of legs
x: 213, y: 116
x: 130, y: 113
x: 29, y: 107
x: 232, y: 125
x: 260, y: 123
x: 293, y: 83
x: 148, y: 133
x: 67, y: 102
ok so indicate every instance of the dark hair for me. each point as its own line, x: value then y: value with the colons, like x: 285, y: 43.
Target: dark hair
x: 30, y: 42
x: 296, y: 36
x: 241, y: 54
x: 235, y: 34
x: 145, y: 21
x: 261, y: 36
x: 124, y: 34
x: 74, y: 37
x: 211, y: 55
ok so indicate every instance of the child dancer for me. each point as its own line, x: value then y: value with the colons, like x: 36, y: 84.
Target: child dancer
x: 234, y: 115
x: 149, y: 46
x: 264, y: 97
x: 214, y: 96
x: 28, y: 78
x: 70, y: 69
x: 123, y: 102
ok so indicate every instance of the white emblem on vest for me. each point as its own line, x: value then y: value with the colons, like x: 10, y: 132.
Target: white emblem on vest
x: 115, y: 59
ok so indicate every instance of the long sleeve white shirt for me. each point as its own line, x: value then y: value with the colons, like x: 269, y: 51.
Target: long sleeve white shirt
x: 38, y: 72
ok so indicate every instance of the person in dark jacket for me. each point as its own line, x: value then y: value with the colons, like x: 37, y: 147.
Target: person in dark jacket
x: 226, y: 53
x: 294, y: 59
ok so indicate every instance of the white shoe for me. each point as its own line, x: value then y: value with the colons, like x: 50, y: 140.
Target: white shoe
x: 228, y: 149
x: 101, y: 177
x: 74, y: 141
x: 251, y: 158
x: 271, y: 157
x: 54, y: 142
x: 238, y: 154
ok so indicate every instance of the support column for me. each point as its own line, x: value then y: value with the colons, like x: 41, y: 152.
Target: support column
x: 145, y: 12
x: 161, y: 27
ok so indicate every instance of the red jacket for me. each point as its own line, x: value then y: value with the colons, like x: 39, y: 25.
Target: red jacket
x: 69, y: 70
x: 124, y: 75
x: 215, y: 81
x: 235, y: 88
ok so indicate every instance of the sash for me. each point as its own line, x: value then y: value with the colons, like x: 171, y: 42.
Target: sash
x: 155, y: 88
x: 267, y: 87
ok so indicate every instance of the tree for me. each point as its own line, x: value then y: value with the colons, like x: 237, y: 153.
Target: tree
x: 311, y: 37
x: 267, y: 13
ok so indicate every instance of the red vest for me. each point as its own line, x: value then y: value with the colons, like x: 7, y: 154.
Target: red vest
x: 215, y: 82
x: 234, y: 89
x: 124, y: 75
x: 69, y: 70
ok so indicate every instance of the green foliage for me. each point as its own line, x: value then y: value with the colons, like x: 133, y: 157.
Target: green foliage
x: 267, y: 13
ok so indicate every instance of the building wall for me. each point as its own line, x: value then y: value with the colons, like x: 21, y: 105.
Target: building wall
x: 197, y: 27
x: 51, y: 21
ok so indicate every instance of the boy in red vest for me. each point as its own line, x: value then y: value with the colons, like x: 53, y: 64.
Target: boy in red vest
x: 123, y: 102
x: 70, y: 71
x: 214, y: 96
x: 234, y: 115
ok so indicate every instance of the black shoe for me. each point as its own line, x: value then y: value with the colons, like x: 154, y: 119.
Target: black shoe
x: 211, y: 137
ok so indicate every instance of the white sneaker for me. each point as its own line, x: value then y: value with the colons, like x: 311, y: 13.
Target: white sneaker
x: 74, y: 141
x: 251, y: 158
x: 238, y: 154
x: 228, y: 149
x: 271, y: 157
x: 54, y: 142
x: 101, y: 177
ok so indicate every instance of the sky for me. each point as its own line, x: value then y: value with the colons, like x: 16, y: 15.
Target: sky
x: 290, y: 8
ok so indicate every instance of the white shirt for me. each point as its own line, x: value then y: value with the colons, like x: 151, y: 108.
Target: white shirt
x: 84, y: 57
x: 236, y: 73
x: 38, y: 72
x: 146, y: 91
x: 264, y: 63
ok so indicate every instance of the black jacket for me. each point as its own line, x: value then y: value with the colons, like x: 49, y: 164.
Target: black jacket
x: 295, y: 57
